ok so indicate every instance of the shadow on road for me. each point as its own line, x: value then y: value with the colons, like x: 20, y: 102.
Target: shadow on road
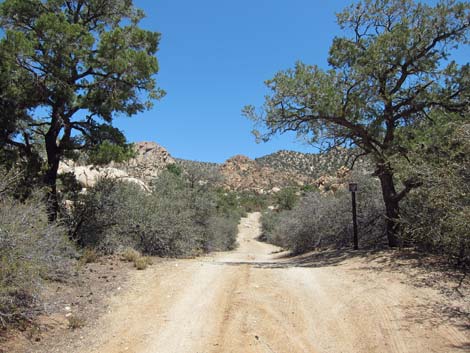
x: 419, y: 270
x: 323, y: 258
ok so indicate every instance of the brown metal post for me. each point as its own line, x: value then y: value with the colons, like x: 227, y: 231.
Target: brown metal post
x: 353, y: 189
x: 356, y: 242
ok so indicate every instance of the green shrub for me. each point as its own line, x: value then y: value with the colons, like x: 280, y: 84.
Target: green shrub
x: 180, y: 217
x: 436, y: 216
x: 286, y: 199
x: 252, y: 202
x: 269, y: 225
x: 221, y: 233
x: 107, y: 216
x: 142, y: 262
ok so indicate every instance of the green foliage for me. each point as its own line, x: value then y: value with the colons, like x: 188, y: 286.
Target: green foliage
x: 391, y: 69
x: 178, y: 218
x: 286, y: 199
x: 105, y: 217
x: 436, y: 216
x: 174, y: 169
x: 252, y: 202
x: 228, y: 203
x: 108, y: 152
x: 83, y: 63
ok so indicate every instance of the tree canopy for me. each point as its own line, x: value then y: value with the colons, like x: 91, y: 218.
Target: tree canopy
x: 70, y: 66
x: 391, y: 69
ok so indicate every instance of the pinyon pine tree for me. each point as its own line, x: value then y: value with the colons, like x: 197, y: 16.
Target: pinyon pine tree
x: 74, y: 65
x: 391, y: 69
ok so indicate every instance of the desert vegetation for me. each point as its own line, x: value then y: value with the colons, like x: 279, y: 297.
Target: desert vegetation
x: 391, y: 114
x: 390, y: 69
x: 179, y: 217
x: 392, y: 95
x: 31, y: 250
x: 434, y: 217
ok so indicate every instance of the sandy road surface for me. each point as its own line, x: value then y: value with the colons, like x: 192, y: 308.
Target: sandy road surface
x: 249, y: 301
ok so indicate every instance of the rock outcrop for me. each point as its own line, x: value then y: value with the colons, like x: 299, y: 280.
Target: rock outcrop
x: 244, y: 174
x: 88, y: 175
x: 148, y: 163
x: 150, y: 160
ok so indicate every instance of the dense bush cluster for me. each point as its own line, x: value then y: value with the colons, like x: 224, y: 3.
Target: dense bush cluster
x: 180, y: 217
x: 31, y: 250
x: 323, y: 219
x: 436, y: 216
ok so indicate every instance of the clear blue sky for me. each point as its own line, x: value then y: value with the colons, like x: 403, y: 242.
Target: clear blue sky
x: 214, y: 57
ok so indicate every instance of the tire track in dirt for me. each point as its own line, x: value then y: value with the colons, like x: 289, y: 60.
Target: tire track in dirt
x: 252, y: 301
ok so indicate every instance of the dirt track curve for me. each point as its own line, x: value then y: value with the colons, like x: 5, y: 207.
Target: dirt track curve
x: 252, y: 300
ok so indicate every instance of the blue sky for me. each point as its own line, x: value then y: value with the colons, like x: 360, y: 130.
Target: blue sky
x: 214, y: 57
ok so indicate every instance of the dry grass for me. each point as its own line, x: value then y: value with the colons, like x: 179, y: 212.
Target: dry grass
x: 89, y: 256
x: 142, y: 262
x: 130, y: 255
x: 76, y: 322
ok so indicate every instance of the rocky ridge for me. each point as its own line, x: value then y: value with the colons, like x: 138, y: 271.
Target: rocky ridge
x: 267, y: 174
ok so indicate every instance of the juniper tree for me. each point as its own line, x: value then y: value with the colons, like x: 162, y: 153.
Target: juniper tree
x: 391, y: 68
x: 76, y: 64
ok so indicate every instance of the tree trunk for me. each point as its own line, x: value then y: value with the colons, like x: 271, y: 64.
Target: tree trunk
x: 392, y: 209
x: 50, y: 178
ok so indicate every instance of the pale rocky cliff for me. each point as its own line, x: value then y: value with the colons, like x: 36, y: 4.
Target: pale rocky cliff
x: 151, y: 159
x: 148, y: 163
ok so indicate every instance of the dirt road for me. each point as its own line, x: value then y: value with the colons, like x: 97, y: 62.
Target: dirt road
x: 253, y: 300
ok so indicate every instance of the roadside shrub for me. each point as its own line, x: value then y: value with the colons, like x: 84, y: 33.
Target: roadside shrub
x: 142, y: 262
x: 130, y: 255
x: 222, y: 233
x: 252, y: 202
x: 286, y: 199
x: 180, y: 217
x: 107, y: 216
x: 269, y: 224
x: 228, y: 204
x: 31, y: 250
x: 436, y: 216
x: 324, y: 219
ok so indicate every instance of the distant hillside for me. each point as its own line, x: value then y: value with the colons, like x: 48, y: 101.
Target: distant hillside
x: 309, y: 164
x: 239, y: 173
x: 242, y: 173
x: 209, y: 166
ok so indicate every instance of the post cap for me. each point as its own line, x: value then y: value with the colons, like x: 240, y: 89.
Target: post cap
x: 353, y: 187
